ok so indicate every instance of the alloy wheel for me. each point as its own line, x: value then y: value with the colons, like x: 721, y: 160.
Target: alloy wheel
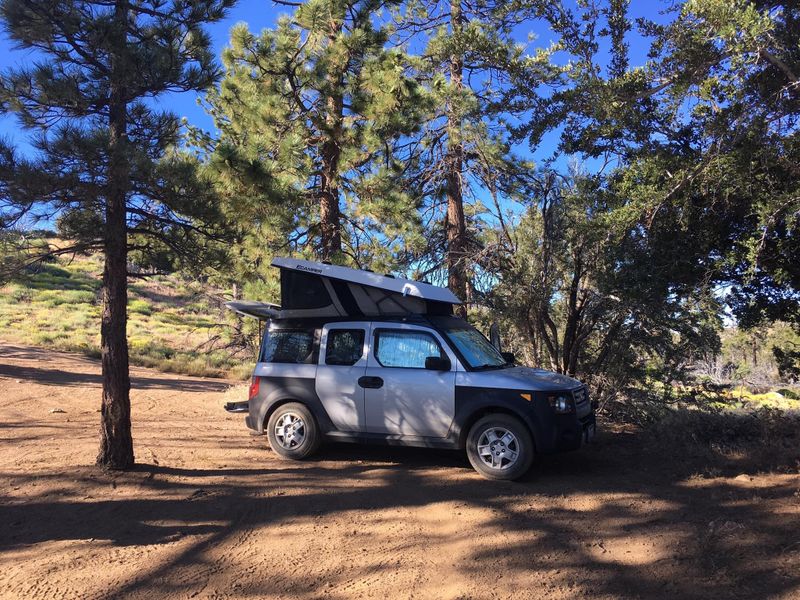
x: 498, y: 448
x: 290, y: 430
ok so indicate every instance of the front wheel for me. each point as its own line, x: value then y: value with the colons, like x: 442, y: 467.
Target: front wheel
x: 500, y: 447
x: 293, y: 431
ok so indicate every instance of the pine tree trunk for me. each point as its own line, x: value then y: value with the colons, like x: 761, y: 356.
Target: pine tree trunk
x: 329, y: 214
x: 116, y: 444
x: 456, y: 228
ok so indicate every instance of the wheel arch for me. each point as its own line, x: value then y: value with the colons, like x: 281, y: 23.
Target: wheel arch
x: 483, y: 411
x: 275, y: 405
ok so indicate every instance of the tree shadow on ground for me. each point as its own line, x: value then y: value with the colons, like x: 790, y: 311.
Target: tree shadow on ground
x: 614, y: 520
x: 57, y: 377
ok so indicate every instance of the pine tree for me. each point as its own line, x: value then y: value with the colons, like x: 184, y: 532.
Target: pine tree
x: 313, y: 117
x: 470, y: 57
x: 105, y: 160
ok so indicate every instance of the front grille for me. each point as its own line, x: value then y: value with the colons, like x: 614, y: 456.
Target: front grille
x: 580, y: 397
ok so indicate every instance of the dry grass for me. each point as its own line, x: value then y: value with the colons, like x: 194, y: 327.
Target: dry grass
x: 765, y: 439
x: 173, y: 325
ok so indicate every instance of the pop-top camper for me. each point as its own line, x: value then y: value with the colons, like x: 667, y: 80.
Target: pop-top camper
x: 351, y: 355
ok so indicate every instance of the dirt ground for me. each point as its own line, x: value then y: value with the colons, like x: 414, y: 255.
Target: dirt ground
x: 210, y: 512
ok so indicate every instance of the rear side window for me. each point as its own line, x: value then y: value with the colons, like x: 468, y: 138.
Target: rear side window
x: 296, y: 346
x: 344, y: 346
x: 405, y: 349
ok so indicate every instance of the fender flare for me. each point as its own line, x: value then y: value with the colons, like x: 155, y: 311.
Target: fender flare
x: 474, y: 403
x: 284, y: 390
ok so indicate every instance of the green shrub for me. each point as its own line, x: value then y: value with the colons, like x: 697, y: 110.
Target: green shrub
x: 140, y: 307
x: 171, y: 318
x: 55, y: 305
x: 21, y: 294
x: 53, y: 271
x: 53, y: 298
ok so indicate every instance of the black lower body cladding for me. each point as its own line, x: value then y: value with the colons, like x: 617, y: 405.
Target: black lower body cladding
x: 572, y: 432
x: 551, y: 432
x: 274, y: 391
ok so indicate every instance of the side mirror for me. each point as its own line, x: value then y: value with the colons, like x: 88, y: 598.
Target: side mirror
x: 436, y: 363
x: 508, y: 357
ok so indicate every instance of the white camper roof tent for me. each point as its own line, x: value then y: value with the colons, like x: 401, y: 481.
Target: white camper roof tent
x: 310, y: 289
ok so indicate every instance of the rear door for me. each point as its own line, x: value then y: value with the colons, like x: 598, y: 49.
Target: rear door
x: 401, y: 396
x: 342, y: 362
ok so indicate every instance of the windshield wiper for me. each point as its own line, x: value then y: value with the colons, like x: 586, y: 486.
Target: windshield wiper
x: 487, y: 366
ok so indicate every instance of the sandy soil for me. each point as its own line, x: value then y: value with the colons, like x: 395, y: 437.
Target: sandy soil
x: 210, y: 512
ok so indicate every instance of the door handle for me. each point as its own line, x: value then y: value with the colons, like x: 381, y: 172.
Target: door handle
x: 370, y: 382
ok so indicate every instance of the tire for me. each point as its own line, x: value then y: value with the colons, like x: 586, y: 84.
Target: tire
x: 500, y: 447
x: 293, y: 432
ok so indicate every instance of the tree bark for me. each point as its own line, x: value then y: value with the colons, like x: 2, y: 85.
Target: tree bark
x: 549, y: 335
x: 455, y: 224
x: 329, y: 214
x: 573, y: 320
x: 116, y: 444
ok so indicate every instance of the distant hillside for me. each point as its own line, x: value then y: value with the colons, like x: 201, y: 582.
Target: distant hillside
x: 174, y: 325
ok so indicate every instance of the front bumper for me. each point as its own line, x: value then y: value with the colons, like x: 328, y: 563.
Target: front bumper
x: 577, y: 432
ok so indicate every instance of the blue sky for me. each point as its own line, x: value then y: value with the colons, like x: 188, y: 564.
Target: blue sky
x: 257, y: 13
x: 260, y: 14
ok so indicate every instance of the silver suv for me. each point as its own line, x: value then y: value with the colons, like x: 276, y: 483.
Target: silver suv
x: 417, y: 379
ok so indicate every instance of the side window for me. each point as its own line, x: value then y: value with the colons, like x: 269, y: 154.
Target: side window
x: 344, y: 346
x: 288, y: 346
x: 406, y: 349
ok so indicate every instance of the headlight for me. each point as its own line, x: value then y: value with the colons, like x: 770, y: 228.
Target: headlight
x: 560, y: 403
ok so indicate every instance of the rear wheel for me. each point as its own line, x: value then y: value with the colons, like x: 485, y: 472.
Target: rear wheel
x: 293, y: 431
x: 500, y: 447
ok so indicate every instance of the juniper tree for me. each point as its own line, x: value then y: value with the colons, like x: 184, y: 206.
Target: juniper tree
x: 706, y: 134
x: 104, y: 160
x: 701, y: 141
x: 594, y: 295
x: 312, y: 117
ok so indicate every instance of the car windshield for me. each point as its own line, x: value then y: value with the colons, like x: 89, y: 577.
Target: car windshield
x: 475, y: 348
